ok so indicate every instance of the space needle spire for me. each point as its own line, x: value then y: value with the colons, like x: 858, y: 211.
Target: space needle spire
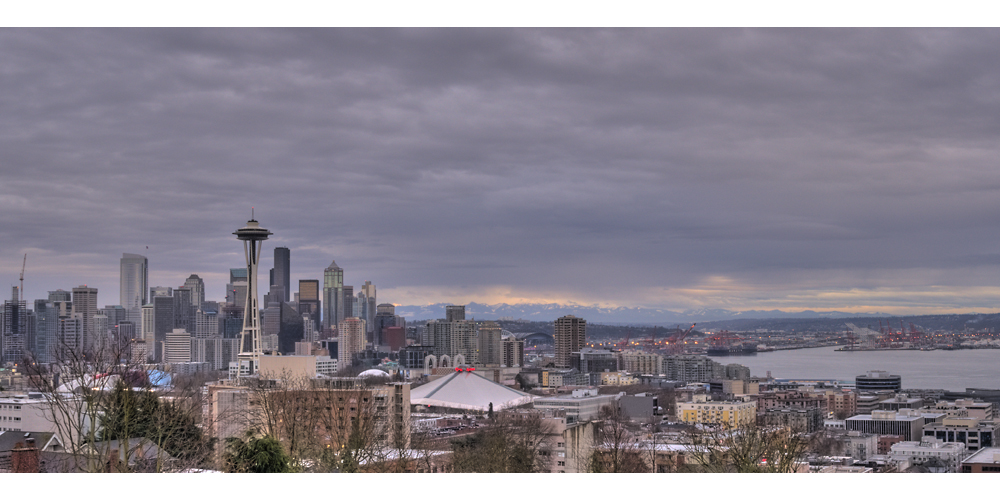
x: 252, y: 236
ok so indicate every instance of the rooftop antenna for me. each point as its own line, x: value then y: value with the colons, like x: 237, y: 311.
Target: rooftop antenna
x: 23, y: 263
x: 251, y: 213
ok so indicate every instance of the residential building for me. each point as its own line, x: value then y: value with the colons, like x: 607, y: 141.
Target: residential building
x: 570, y: 335
x: 351, y: 337
x: 805, y: 420
x: 490, y: 349
x: 640, y: 362
x: 85, y: 304
x: 692, y: 368
x: 513, y: 351
x: 732, y: 414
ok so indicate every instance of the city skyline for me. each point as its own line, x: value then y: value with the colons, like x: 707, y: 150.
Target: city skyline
x: 846, y: 170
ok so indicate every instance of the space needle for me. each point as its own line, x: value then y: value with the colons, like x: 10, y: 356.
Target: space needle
x: 252, y: 236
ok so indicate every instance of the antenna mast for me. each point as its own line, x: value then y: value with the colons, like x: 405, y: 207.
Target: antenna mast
x: 23, y: 263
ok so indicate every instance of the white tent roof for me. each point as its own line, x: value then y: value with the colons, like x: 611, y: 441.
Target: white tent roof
x: 467, y: 390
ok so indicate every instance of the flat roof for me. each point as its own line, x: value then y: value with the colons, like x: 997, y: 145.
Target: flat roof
x: 989, y: 455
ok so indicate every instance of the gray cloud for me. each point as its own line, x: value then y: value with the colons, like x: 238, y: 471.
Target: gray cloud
x: 573, y: 165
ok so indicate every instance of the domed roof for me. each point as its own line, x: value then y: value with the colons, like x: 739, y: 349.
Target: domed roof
x: 373, y: 373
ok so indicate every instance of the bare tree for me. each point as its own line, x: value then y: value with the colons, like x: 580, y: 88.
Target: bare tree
x: 747, y: 449
x: 616, y: 443
x: 103, y: 405
x: 512, y: 441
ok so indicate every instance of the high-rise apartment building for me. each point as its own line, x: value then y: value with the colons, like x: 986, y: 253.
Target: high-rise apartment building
x: 283, y: 270
x: 351, y: 340
x: 14, y: 331
x: 333, y: 296
x: 85, y: 304
x: 570, y: 335
x: 490, y: 349
x: 134, y: 280
x: 197, y: 287
x: 453, y: 338
x: 454, y: 313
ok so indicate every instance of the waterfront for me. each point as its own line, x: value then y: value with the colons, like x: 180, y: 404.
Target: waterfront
x: 951, y: 370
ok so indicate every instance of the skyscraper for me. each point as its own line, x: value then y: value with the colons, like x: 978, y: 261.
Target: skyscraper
x: 368, y: 308
x: 85, y: 304
x: 349, y: 302
x: 197, y: 287
x: 333, y: 295
x: 309, y: 301
x: 570, y: 335
x: 13, y: 335
x: 282, y: 270
x: 134, y: 280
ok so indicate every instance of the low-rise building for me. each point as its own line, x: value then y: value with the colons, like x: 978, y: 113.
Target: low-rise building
x: 731, y: 414
x: 975, y: 433
x: 890, y: 423
x: 580, y: 405
x: 617, y: 378
x: 797, y: 419
x: 984, y: 460
x: 860, y: 446
x: 930, y: 452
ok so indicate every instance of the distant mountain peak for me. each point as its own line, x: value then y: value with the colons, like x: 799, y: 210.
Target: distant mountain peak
x: 597, y: 314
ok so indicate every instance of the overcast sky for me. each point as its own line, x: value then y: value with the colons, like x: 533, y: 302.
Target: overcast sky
x: 851, y: 170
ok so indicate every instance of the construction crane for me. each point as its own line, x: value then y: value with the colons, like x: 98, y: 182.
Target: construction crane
x: 674, y: 343
x: 23, y: 263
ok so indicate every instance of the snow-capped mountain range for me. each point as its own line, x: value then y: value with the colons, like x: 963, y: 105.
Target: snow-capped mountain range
x: 609, y: 315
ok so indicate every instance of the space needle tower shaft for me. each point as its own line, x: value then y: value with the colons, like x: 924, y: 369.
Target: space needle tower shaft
x: 252, y: 236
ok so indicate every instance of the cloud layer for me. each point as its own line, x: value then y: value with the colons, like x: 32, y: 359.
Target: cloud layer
x: 676, y: 168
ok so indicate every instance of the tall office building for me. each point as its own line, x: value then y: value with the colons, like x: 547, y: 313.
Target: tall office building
x: 309, y: 302
x: 282, y: 271
x: 350, y: 305
x: 236, y: 289
x: 163, y: 323
x: 350, y: 340
x: 197, y: 287
x: 368, y: 308
x: 134, y: 280
x: 333, y: 296
x: 570, y: 335
x: 385, y: 318
x: 85, y: 304
x: 46, y: 325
